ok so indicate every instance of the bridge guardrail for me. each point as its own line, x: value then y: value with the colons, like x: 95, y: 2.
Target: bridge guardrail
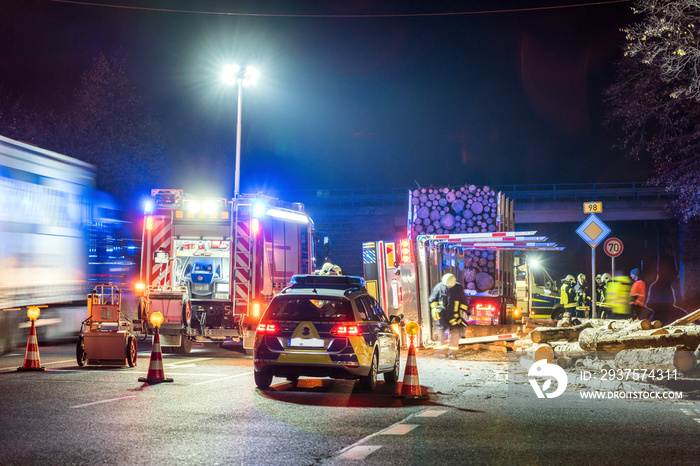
x: 583, y: 192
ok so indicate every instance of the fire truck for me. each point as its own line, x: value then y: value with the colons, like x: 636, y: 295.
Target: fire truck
x: 491, y: 266
x: 210, y: 266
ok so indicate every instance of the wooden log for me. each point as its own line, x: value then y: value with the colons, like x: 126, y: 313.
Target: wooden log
x: 592, y: 339
x: 656, y: 324
x: 537, y: 352
x: 685, y: 320
x: 541, y: 322
x: 593, y: 364
x: 522, y: 342
x: 544, y: 334
x: 570, y: 350
x: 669, y: 358
x: 564, y: 362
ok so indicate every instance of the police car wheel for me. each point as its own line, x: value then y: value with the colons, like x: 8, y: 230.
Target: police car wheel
x: 263, y: 379
x: 369, y: 382
x: 393, y: 376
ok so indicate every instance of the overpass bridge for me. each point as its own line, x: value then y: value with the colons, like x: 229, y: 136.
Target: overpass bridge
x: 534, y: 203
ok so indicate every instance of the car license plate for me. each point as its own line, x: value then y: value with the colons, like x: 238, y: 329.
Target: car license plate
x: 306, y: 342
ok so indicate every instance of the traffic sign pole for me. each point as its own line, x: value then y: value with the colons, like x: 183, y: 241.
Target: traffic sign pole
x: 593, y: 283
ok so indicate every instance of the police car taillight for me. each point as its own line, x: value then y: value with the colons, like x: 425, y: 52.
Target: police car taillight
x: 268, y: 329
x: 345, y: 330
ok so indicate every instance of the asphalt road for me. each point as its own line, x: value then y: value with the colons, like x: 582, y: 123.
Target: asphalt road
x: 213, y: 414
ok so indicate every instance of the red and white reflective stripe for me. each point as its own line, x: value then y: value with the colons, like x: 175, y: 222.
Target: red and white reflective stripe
x: 161, y: 238
x: 242, y: 260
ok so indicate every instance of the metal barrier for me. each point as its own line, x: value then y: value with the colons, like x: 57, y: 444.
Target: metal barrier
x: 524, y: 192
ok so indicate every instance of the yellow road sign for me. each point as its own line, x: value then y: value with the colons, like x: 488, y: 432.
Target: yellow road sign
x: 592, y: 207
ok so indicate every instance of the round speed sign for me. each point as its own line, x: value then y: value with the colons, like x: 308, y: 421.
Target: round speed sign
x: 613, y: 247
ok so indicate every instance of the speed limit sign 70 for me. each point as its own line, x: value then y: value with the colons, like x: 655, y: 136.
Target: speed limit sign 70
x: 613, y: 247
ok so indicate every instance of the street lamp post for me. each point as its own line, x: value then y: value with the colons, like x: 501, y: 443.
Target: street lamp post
x: 235, y: 74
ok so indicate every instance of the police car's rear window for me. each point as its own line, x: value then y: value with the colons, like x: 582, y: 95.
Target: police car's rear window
x: 300, y: 308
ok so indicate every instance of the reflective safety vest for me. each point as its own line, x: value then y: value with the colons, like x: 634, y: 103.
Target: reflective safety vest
x: 568, y: 296
x: 617, y: 295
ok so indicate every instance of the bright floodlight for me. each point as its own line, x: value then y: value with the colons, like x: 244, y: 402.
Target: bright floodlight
x: 230, y: 74
x: 534, y: 263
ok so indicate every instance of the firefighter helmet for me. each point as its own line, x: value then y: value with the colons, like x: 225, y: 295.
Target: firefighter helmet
x: 606, y: 277
x: 569, y: 279
x: 449, y: 280
x: 581, y: 277
x: 331, y: 269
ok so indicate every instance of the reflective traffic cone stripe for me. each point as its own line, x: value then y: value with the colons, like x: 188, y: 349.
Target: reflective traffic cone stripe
x: 410, y: 388
x: 156, y: 374
x: 31, y: 355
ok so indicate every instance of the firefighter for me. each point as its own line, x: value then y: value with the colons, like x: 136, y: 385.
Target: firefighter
x: 568, y: 294
x: 583, y: 298
x: 330, y: 269
x: 617, y: 296
x: 638, y: 296
x: 601, y: 290
x: 448, y: 305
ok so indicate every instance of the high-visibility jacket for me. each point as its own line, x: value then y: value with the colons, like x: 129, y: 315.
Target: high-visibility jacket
x: 617, y: 295
x: 638, y: 292
x: 568, y: 296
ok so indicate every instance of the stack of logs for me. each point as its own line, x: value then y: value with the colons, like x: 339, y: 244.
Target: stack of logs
x: 468, y: 209
x: 618, y: 344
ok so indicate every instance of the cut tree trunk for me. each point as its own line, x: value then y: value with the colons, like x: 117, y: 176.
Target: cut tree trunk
x: 613, y: 341
x: 543, y: 334
x: 685, y: 320
x: 570, y: 350
x: 537, y: 352
x: 663, y: 359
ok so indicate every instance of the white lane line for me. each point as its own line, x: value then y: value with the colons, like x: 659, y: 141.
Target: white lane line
x: 432, y: 413
x: 104, y: 401
x: 8, y: 369
x: 364, y: 439
x: 224, y: 378
x: 185, y: 361
x: 127, y: 372
x: 401, y: 429
x: 359, y: 452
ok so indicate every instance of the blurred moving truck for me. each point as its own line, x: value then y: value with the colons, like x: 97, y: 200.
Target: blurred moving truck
x: 44, y: 213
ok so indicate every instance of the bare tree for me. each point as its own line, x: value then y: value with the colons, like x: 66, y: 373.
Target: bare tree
x: 655, y: 98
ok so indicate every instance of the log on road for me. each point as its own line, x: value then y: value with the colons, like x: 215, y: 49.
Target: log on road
x: 612, y: 341
x: 537, y: 352
x: 570, y: 350
x: 663, y: 359
x: 544, y: 334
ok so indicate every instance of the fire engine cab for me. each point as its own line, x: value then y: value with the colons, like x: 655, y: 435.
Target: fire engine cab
x: 210, y: 266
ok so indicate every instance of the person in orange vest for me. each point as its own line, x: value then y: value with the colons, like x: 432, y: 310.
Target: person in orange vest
x: 638, y: 295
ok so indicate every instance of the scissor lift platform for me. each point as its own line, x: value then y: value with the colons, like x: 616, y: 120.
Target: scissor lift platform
x: 106, y: 336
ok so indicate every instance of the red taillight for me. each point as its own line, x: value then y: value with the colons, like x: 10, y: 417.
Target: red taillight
x: 268, y: 329
x: 487, y: 307
x: 345, y: 330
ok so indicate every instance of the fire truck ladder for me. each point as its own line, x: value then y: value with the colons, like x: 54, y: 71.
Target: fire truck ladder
x: 242, y: 257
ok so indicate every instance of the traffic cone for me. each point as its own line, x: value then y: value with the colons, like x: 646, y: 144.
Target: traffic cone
x: 31, y: 356
x: 410, y: 388
x: 155, y: 369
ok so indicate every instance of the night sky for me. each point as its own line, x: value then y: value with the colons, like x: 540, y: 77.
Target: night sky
x: 343, y: 102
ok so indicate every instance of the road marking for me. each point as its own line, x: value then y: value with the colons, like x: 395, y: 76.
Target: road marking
x: 224, y: 378
x: 401, y: 429
x: 6, y: 369
x: 364, y: 439
x: 359, y: 452
x: 128, y: 372
x: 104, y: 401
x: 186, y: 362
x: 432, y: 413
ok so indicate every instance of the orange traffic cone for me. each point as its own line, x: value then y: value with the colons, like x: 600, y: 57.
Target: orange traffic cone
x: 155, y: 369
x: 410, y: 388
x: 31, y: 356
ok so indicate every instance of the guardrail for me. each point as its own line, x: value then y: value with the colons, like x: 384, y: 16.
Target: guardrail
x: 524, y: 192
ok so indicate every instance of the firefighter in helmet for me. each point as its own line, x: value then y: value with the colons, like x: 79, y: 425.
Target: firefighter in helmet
x: 568, y: 294
x: 330, y: 269
x: 617, y: 295
x: 448, y: 305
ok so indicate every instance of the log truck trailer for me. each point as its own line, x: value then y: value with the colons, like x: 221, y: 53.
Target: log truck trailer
x: 210, y: 266
x: 402, y: 274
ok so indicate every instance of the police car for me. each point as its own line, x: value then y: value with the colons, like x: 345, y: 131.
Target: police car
x: 326, y: 326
